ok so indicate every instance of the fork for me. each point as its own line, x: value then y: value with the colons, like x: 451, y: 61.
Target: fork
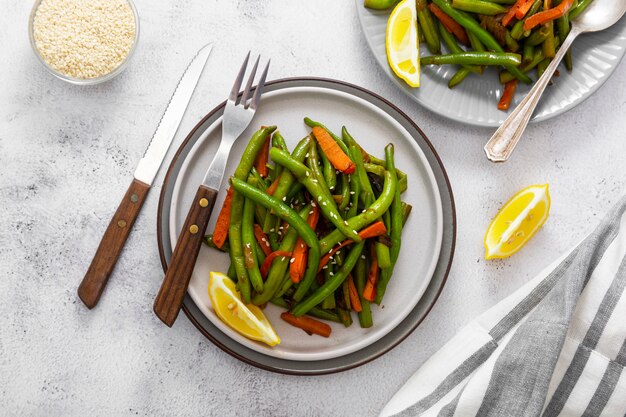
x: 237, y: 116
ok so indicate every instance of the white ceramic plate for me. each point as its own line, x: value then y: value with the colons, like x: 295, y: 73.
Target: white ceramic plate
x: 474, y: 101
x: 373, y: 128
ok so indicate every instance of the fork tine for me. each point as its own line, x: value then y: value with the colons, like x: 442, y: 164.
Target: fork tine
x: 246, y: 91
x: 235, y: 91
x: 259, y: 87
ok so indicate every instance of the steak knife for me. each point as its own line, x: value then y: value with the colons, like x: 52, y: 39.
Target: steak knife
x: 121, y: 224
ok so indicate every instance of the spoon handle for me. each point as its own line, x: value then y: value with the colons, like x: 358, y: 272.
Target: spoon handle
x: 503, y: 142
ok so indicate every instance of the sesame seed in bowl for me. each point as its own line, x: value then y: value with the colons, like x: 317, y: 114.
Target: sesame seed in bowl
x: 84, y: 41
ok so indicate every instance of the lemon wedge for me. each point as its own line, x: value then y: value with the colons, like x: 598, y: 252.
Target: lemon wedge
x: 517, y: 221
x: 401, y: 43
x: 246, y: 319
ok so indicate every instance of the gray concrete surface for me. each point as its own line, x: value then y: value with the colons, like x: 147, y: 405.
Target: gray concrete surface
x: 67, y: 154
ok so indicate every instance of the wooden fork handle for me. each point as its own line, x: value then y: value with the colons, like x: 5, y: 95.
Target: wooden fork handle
x: 170, y: 298
x: 111, y: 245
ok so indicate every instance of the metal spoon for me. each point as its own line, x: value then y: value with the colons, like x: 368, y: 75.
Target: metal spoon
x: 599, y: 15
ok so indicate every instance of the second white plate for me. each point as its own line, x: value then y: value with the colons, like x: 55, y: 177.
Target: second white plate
x: 373, y: 128
x: 475, y: 100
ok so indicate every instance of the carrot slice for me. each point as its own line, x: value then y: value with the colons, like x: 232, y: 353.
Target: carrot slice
x: 300, y: 253
x: 273, y: 186
x: 523, y: 8
x: 355, y: 301
x: 507, y: 95
x: 333, y: 152
x: 307, y: 324
x: 373, y: 230
x: 450, y: 24
x: 548, y: 15
x: 369, y: 292
x: 223, y: 220
x: 510, y: 15
x: 262, y: 239
x: 267, y: 263
x: 262, y: 158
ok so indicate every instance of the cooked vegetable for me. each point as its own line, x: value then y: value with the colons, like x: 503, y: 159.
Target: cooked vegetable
x: 223, y: 219
x: 507, y: 95
x: 273, y: 220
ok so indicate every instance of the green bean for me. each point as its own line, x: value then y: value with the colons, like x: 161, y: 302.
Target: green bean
x: 427, y: 25
x: 295, y: 189
x: 479, y: 6
x: 542, y: 66
x: 548, y: 46
x: 231, y: 273
x: 360, y: 278
x: 295, y: 221
x: 377, y: 161
x: 528, y: 54
x: 279, y: 142
x: 326, y: 205
x: 485, y: 37
x: 380, y: 4
x: 397, y: 218
x: 538, y: 36
x: 380, y: 171
x: 344, y: 180
x: 369, y: 215
x: 286, y: 180
x: 511, y: 43
x: 330, y: 286
x: 501, y: 1
x: 344, y: 316
x: 236, y: 212
x: 406, y: 210
x: 328, y: 303
x: 562, y: 25
x: 576, y: 11
x: 355, y: 181
x: 506, y: 76
x: 458, y: 77
x: 477, y: 45
x: 474, y: 58
x: 340, y: 142
x: 249, y: 246
x: 518, y: 29
x: 316, y: 171
x: 285, y: 284
x: 314, y: 312
x: 454, y: 47
x: 328, y: 170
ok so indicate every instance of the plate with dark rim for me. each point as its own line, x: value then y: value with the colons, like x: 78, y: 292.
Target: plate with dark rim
x: 421, y: 270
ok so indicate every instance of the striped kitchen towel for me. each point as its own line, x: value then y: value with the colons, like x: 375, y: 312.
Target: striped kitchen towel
x: 555, y: 347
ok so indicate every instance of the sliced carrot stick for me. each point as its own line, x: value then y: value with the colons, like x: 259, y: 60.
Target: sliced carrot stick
x: 223, y: 220
x: 523, y: 8
x: 450, y: 24
x: 272, y: 188
x: 507, y: 95
x: 510, y: 15
x: 267, y: 263
x: 369, y: 292
x: 333, y: 152
x: 262, y: 157
x: 262, y: 239
x: 307, y: 324
x: 297, y: 266
x: 548, y: 15
x: 373, y: 230
x: 355, y: 301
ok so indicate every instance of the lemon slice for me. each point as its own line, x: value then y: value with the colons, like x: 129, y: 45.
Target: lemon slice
x: 248, y: 320
x: 517, y: 221
x: 401, y: 43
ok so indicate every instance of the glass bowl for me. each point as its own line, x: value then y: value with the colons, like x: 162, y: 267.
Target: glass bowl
x: 83, y: 81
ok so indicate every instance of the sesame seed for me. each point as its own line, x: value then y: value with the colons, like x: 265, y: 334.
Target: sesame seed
x: 325, y: 267
x: 272, y: 230
x: 345, y: 222
x: 351, y: 192
x: 319, y: 198
x: 285, y: 198
x: 292, y: 260
x: 282, y: 258
x: 331, y: 274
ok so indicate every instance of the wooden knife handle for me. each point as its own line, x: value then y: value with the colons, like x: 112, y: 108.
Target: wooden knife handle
x: 170, y: 298
x: 112, y: 242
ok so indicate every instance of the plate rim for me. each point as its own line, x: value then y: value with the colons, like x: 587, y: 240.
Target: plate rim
x: 235, y: 354
x: 534, y: 119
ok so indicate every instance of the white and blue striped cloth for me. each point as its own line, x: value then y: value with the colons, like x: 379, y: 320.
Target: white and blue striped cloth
x: 556, y: 347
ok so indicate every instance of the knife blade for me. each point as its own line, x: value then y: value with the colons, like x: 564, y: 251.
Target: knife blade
x: 97, y: 276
